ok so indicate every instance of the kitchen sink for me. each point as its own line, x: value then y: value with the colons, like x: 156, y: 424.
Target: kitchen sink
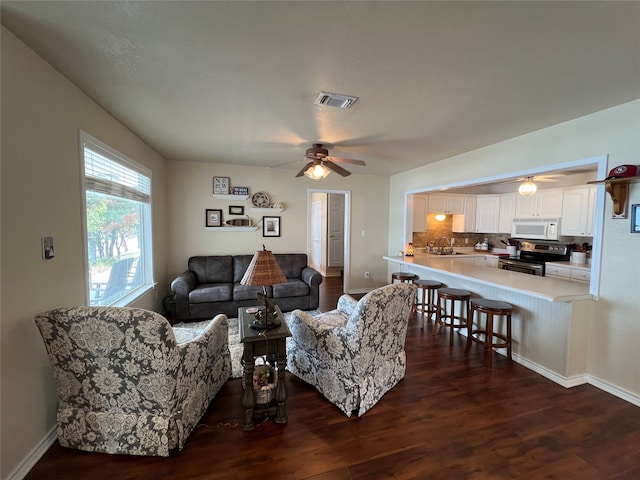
x: 447, y: 253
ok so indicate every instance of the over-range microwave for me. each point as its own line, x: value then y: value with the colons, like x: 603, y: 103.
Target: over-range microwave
x: 536, y: 228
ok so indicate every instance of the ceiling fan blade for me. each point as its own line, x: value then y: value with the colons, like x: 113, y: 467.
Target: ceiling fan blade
x: 346, y: 160
x: 304, y: 169
x: 336, y: 168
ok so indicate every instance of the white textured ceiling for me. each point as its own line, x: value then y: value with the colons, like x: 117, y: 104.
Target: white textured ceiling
x: 234, y: 82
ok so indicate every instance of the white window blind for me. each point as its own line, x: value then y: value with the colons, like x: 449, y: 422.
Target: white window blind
x: 106, y: 176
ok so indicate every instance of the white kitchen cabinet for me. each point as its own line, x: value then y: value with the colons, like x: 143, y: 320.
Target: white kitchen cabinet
x: 467, y: 221
x: 578, y: 205
x: 419, y: 213
x: 545, y: 202
x: 568, y: 272
x: 487, y: 213
x: 558, y: 271
x: 449, y: 204
x: 491, y: 261
x: 507, y: 212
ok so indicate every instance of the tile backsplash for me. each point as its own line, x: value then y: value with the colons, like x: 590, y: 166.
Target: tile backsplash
x: 436, y: 230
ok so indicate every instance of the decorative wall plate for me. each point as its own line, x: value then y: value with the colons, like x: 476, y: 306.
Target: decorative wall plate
x: 260, y: 199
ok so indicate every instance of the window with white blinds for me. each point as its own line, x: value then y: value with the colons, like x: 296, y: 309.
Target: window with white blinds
x: 117, y: 225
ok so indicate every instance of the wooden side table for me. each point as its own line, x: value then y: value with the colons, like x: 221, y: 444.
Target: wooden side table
x: 273, y: 344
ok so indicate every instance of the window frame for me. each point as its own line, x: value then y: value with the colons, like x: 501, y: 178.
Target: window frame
x: 146, y: 220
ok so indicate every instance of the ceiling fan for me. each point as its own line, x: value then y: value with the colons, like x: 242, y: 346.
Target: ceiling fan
x: 321, y: 164
x: 528, y: 186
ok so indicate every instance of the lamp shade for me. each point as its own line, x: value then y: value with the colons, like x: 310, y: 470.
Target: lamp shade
x: 263, y: 270
x: 317, y: 171
x: 527, y: 187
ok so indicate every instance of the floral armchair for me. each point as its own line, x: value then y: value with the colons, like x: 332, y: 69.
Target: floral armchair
x: 128, y: 382
x: 355, y: 354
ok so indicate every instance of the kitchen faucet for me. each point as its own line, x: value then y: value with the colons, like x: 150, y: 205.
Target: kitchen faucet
x: 440, y: 244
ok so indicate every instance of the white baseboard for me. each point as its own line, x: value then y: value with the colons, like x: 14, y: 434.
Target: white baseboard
x: 34, y: 455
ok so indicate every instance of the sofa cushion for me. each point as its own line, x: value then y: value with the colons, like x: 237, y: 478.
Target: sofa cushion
x: 246, y: 292
x: 293, y: 288
x: 212, y: 269
x: 219, y: 292
x: 292, y: 264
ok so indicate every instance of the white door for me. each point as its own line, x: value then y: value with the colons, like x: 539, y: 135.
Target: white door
x: 335, y: 243
x: 316, y: 233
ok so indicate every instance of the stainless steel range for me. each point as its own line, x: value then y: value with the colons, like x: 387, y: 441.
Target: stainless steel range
x: 533, y: 255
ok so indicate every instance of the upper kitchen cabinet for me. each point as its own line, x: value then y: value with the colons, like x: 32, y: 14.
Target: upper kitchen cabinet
x: 546, y: 202
x: 467, y: 221
x: 419, y: 213
x: 578, y: 207
x: 449, y: 204
x: 487, y: 213
x: 507, y: 212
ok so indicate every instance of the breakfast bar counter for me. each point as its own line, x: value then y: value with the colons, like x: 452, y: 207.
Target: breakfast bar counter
x: 544, y: 288
x: 550, y: 318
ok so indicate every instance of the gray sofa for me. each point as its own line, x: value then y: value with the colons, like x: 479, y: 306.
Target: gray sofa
x: 211, y: 285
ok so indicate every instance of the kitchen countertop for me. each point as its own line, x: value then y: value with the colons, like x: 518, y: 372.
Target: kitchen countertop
x: 545, y: 288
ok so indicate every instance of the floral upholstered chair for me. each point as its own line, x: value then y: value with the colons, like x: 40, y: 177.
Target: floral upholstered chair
x: 355, y: 354
x: 128, y: 382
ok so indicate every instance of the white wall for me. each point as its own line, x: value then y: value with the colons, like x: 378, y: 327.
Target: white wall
x: 613, y: 356
x: 190, y: 193
x: 41, y: 195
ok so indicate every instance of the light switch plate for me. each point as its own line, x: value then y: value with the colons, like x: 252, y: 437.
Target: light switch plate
x: 47, y: 248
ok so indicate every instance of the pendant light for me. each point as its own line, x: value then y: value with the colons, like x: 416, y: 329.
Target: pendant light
x: 527, y: 187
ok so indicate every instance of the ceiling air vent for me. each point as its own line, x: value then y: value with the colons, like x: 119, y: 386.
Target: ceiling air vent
x: 335, y: 100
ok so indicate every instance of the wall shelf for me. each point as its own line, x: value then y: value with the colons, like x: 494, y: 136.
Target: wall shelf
x: 231, y: 229
x: 266, y: 210
x: 219, y: 196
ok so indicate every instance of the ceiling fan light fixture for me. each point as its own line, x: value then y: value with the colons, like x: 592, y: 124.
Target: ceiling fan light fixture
x: 317, y: 172
x: 527, y: 187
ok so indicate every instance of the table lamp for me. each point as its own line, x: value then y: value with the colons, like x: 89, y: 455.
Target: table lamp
x: 264, y: 271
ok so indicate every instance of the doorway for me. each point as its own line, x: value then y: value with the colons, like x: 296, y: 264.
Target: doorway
x: 328, y: 232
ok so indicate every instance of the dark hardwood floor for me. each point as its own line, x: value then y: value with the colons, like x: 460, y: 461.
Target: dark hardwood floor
x: 449, y: 418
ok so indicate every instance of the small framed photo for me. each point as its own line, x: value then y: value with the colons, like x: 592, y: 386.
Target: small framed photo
x: 221, y: 185
x: 635, y: 218
x: 270, y: 226
x: 240, y: 190
x: 236, y: 210
x: 213, y: 218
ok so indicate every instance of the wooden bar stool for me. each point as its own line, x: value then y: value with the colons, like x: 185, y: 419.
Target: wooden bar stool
x: 428, y: 305
x: 486, y: 336
x: 403, y: 277
x: 446, y: 315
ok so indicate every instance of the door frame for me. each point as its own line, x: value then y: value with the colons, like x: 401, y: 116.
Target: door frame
x: 347, y: 229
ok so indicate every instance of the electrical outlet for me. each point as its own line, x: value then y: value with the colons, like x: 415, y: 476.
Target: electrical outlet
x: 367, y: 275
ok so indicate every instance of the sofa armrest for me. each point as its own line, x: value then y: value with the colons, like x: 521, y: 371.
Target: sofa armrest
x: 184, y: 283
x: 181, y: 287
x: 311, y: 276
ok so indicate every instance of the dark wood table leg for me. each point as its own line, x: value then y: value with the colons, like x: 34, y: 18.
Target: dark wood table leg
x: 249, y: 395
x: 281, y: 388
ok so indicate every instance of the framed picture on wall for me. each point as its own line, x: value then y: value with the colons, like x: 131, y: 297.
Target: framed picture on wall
x: 270, y: 226
x: 236, y: 210
x: 221, y: 185
x: 635, y: 218
x: 213, y: 218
